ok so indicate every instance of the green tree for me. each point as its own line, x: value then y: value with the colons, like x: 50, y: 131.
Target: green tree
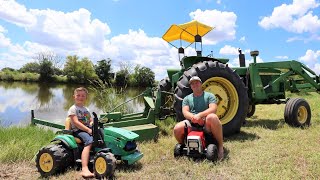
x: 48, y: 61
x: 79, y: 70
x: 70, y: 66
x: 122, y: 78
x: 143, y: 76
x: 7, y: 69
x: 32, y: 67
x: 87, y: 70
x: 45, y: 70
x: 103, y: 70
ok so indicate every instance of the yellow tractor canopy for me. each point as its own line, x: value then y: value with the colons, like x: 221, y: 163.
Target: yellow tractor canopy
x: 186, y: 31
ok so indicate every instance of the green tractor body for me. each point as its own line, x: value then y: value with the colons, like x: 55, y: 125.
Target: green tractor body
x: 110, y: 144
x: 238, y: 89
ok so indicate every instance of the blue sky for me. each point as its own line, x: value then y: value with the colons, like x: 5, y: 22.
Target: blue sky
x: 130, y: 31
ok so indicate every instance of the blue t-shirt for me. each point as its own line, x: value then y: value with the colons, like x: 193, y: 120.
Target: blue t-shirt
x: 200, y: 103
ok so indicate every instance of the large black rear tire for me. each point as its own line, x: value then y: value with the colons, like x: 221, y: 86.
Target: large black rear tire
x: 53, y: 159
x: 228, y: 88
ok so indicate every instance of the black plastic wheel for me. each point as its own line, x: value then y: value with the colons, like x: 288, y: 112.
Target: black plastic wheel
x: 53, y: 159
x: 251, y: 110
x: 228, y: 88
x: 166, y: 99
x: 212, y: 152
x: 104, y: 165
x: 297, y: 112
x: 178, y: 150
x: 165, y: 85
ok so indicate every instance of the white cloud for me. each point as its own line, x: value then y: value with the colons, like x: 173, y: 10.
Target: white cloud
x: 16, y: 13
x: 224, y: 23
x: 296, y: 17
x: 69, y: 33
x: 4, y: 41
x: 228, y: 50
x: 311, y: 60
x: 242, y: 39
x: 281, y: 57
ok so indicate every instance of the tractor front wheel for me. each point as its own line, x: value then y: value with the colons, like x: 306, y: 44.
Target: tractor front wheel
x: 251, y: 110
x: 104, y: 165
x: 166, y: 98
x: 297, y: 112
x: 53, y: 159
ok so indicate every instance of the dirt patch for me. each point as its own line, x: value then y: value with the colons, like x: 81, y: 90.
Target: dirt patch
x: 28, y: 170
x: 21, y: 170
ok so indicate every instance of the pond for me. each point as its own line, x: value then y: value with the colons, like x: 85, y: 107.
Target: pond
x: 49, y: 102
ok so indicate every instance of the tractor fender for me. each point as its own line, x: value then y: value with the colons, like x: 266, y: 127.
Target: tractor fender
x: 66, y: 139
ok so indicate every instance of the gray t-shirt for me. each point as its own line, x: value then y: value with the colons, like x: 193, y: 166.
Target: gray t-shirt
x: 82, y: 113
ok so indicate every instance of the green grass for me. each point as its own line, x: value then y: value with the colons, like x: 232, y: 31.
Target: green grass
x: 266, y: 148
x: 22, y: 143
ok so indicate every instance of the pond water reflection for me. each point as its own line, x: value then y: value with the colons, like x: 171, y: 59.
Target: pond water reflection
x: 49, y: 101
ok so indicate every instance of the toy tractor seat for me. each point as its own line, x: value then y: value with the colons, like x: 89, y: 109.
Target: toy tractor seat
x: 68, y: 128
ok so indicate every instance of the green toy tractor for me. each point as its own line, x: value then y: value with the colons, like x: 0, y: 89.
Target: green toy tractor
x: 109, y: 145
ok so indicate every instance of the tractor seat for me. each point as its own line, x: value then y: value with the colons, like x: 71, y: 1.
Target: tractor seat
x: 68, y: 127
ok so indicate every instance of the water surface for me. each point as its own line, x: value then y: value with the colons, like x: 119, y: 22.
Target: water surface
x: 49, y: 101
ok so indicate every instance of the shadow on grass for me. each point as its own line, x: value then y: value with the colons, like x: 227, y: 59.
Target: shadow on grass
x: 128, y: 168
x: 265, y: 123
x: 242, y: 136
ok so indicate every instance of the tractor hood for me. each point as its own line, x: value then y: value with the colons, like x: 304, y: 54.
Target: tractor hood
x: 120, y: 134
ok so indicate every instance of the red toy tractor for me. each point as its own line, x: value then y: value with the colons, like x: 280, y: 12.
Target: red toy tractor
x: 197, y: 144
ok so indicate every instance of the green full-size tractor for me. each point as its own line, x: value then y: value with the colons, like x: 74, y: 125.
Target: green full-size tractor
x: 110, y: 144
x: 238, y: 89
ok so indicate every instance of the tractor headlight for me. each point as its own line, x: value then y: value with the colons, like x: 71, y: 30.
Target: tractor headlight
x: 130, y: 145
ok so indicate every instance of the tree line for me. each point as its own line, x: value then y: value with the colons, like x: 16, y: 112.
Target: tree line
x: 48, y: 68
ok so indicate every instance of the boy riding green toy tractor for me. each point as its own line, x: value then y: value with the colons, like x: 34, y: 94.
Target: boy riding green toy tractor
x: 110, y: 144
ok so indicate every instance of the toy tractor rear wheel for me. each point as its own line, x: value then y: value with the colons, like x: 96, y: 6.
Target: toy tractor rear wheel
x: 53, y: 159
x: 228, y: 88
x: 297, y: 112
x: 104, y: 165
x: 212, y: 152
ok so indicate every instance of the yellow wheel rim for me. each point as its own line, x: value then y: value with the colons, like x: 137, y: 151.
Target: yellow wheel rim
x: 101, y: 165
x: 46, y: 162
x: 302, y: 114
x: 227, y: 96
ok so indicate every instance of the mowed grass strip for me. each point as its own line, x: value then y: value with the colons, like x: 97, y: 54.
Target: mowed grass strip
x: 266, y: 148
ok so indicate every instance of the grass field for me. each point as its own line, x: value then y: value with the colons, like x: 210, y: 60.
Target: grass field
x: 266, y: 148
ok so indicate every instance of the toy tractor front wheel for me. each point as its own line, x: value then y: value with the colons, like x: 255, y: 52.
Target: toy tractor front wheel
x: 212, y: 152
x: 53, y: 159
x: 297, y: 112
x: 104, y: 165
x: 225, y: 84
